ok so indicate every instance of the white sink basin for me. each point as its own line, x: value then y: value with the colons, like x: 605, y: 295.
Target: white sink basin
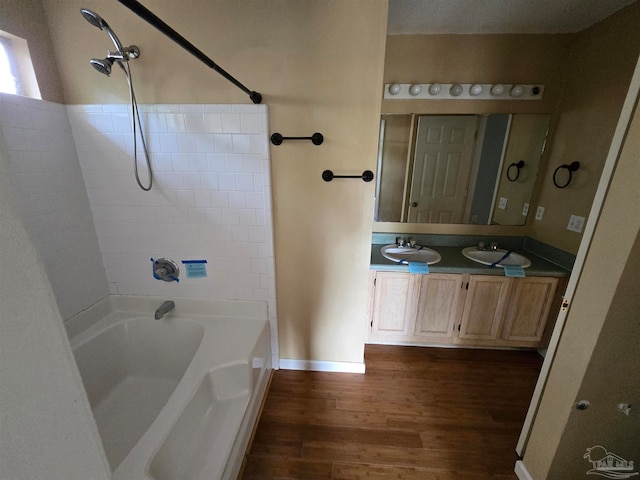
x: 407, y: 254
x: 489, y: 257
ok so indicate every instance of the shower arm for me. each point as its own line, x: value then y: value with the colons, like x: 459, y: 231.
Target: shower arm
x: 144, y: 13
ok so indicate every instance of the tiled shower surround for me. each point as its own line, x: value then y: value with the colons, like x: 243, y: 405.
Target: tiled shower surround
x: 211, y: 198
x: 38, y: 155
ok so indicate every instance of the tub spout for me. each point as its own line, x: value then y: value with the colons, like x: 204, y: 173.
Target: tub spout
x: 164, y: 309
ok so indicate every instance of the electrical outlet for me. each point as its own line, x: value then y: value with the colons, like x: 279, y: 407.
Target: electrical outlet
x: 539, y: 213
x: 575, y: 223
x: 525, y: 210
x: 502, y: 204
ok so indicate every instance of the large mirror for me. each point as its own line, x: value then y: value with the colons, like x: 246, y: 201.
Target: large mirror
x: 453, y: 169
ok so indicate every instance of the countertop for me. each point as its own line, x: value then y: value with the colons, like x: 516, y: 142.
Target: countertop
x: 453, y: 261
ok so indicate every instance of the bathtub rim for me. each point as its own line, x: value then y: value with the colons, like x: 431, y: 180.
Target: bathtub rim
x: 146, y: 305
x: 116, y: 309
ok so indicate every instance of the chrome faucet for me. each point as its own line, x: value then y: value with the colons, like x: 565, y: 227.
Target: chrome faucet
x: 164, y: 309
x: 484, y: 246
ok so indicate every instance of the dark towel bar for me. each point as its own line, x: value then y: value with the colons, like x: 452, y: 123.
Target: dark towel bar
x: 366, y: 176
x: 316, y: 138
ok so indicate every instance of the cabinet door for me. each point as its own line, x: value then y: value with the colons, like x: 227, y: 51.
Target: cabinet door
x: 438, y: 306
x: 394, y: 303
x: 484, y: 307
x: 529, y: 309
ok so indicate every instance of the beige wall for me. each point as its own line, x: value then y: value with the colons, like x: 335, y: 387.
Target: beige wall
x: 476, y: 58
x: 26, y: 19
x: 612, y: 243
x: 598, y: 71
x: 586, y: 76
x: 319, y: 66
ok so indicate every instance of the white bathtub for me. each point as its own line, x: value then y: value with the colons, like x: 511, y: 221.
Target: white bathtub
x: 175, y: 398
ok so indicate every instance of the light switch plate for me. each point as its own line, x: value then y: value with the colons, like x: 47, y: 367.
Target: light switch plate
x: 576, y: 223
x: 539, y: 213
x: 525, y: 210
x: 502, y: 204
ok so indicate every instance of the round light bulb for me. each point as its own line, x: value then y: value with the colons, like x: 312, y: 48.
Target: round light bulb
x: 497, y: 90
x: 456, y: 90
x: 517, y: 91
x: 394, y: 88
x: 415, y: 89
x: 434, y: 89
x: 475, y: 90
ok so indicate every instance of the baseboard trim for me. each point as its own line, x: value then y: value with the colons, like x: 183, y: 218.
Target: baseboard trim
x: 321, y: 366
x: 521, y: 471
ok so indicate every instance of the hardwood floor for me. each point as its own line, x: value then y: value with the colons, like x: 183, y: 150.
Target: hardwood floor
x: 418, y: 413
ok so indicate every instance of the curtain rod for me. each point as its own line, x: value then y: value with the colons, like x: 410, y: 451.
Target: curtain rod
x: 147, y: 15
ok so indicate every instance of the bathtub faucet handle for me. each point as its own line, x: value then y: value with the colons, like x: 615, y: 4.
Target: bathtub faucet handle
x: 165, y: 269
x: 164, y: 309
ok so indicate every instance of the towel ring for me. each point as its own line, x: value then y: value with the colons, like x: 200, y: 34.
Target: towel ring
x: 518, y: 166
x: 574, y: 166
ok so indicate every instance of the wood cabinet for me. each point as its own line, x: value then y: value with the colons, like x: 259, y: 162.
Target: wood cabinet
x: 414, y: 308
x: 531, y: 305
x: 472, y: 310
x: 438, y: 307
x: 484, y: 307
x: 399, y: 293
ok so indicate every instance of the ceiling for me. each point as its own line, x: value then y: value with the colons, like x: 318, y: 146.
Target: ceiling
x: 497, y: 16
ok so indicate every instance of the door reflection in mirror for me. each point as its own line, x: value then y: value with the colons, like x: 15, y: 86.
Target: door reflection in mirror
x: 452, y: 168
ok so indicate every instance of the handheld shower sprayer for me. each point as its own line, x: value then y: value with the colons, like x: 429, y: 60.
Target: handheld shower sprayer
x: 122, y: 54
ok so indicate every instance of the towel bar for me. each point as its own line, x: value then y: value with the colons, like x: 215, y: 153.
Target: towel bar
x: 316, y: 138
x: 366, y: 176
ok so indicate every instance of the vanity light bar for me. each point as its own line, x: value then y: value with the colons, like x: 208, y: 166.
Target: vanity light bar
x: 463, y: 91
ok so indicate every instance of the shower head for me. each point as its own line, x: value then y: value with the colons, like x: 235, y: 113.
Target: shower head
x: 93, y: 18
x: 97, y: 21
x: 103, y: 65
x: 122, y: 54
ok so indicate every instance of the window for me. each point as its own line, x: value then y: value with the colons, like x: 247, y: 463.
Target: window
x: 9, y: 79
x: 17, y: 75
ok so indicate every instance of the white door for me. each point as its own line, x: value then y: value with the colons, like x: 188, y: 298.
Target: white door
x: 442, y: 167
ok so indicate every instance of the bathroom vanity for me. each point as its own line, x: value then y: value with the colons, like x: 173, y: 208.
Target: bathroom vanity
x: 463, y: 303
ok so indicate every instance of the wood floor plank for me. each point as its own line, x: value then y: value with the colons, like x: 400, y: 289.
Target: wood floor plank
x: 385, y: 472
x: 418, y: 413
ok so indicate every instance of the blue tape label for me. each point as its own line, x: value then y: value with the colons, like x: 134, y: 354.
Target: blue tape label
x: 513, y: 270
x: 195, y: 268
x: 418, y: 267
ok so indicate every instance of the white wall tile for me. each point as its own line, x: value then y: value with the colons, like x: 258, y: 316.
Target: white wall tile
x: 223, y: 143
x: 43, y: 164
x: 244, y: 182
x: 217, y: 162
x: 211, y: 199
x: 250, y: 123
x: 187, y: 143
x: 242, y: 143
x: 231, y: 123
x: 212, y: 123
x: 175, y: 122
x: 194, y: 122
